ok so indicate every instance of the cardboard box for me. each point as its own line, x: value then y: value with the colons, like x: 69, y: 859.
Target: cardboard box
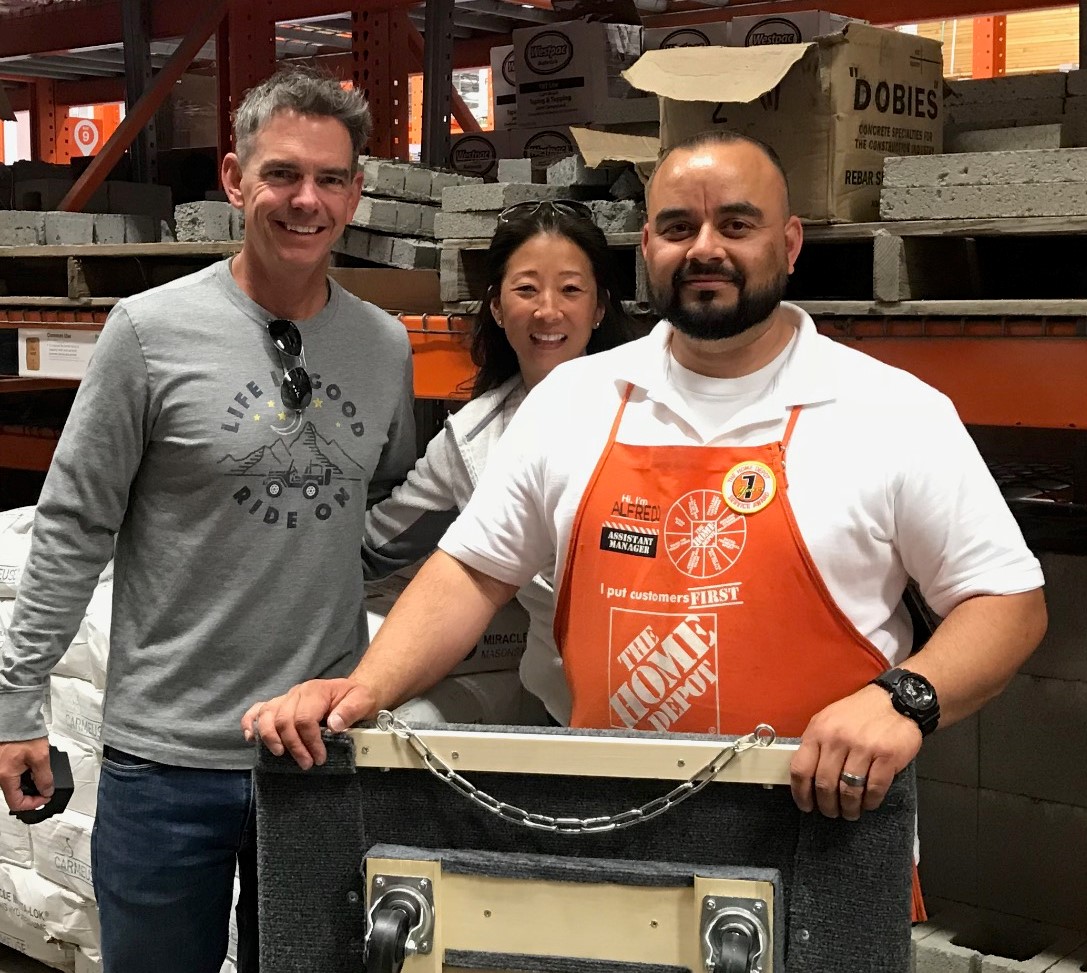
x: 54, y: 353
x: 571, y: 73
x: 832, y: 109
x: 697, y: 35
x: 793, y: 28
x: 477, y: 153
x: 412, y: 291
x: 542, y: 145
x: 503, y: 87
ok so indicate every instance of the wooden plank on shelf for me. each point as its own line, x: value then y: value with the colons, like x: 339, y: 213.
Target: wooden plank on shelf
x: 26, y: 452
x: 54, y: 303
x: 18, y: 383
x: 217, y: 249
x: 968, y: 308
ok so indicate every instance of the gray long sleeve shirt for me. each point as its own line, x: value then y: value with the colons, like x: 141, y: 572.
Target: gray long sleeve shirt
x: 237, y: 521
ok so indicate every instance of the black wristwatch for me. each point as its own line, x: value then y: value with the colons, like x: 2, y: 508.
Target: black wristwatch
x: 912, y: 695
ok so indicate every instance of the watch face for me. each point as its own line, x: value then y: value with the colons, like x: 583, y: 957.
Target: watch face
x: 916, y: 692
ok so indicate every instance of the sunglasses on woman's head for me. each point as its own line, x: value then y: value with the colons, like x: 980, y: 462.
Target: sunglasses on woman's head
x: 296, y: 390
x: 529, y: 208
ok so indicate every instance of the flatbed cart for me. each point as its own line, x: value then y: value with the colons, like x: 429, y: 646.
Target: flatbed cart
x: 471, y: 849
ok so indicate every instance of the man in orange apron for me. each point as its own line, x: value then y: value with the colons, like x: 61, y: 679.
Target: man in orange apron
x: 670, y: 479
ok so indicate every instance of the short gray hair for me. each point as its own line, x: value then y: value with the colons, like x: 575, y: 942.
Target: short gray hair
x: 308, y: 92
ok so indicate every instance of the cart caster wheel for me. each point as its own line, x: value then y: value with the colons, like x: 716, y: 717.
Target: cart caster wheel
x: 387, y: 938
x: 736, y: 944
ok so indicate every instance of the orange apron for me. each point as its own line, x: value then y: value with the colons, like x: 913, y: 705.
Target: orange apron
x: 689, y: 601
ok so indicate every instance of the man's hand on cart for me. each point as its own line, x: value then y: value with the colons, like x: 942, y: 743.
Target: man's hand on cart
x: 291, y: 723
x: 850, y: 752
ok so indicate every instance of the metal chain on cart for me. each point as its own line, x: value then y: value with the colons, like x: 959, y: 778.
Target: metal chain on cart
x: 763, y: 736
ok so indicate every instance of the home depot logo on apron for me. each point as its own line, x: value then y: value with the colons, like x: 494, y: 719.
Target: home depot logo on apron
x: 690, y: 602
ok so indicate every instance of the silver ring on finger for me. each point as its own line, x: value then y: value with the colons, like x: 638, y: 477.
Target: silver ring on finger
x: 853, y: 780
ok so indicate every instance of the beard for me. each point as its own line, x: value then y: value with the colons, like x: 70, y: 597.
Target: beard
x: 705, y: 320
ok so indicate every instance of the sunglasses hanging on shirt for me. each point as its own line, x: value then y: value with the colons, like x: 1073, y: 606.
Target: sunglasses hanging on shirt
x: 296, y: 390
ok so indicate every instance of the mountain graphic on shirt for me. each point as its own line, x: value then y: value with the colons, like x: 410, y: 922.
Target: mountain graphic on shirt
x: 309, y: 450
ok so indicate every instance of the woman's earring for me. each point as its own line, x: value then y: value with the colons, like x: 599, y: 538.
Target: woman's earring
x: 597, y: 325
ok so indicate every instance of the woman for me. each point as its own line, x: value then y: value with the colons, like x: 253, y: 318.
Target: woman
x: 550, y: 298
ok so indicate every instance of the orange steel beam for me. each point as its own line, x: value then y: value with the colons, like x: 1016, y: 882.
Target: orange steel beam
x: 461, y: 112
x: 202, y: 28
x: 43, y: 121
x: 1033, y: 382
x: 989, y: 53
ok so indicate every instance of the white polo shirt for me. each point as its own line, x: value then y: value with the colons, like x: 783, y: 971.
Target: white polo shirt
x: 883, y: 478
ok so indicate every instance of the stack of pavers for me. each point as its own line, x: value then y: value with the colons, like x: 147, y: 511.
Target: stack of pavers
x: 118, y: 212
x: 394, y: 224
x: 1026, y: 111
x: 985, y: 185
x: 469, y: 214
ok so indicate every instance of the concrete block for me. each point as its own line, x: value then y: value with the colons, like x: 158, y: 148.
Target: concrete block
x: 21, y: 229
x: 1013, y: 87
x: 983, y: 202
x: 1063, y: 652
x: 1076, y: 962
x: 440, y: 180
x: 1075, y: 82
x: 376, y: 214
x: 572, y: 171
x: 383, y: 178
x: 354, y: 242
x: 415, y: 254
x: 1006, y: 114
x: 497, y: 196
x: 951, y: 755
x: 618, y: 215
x: 936, y: 953
x: 418, y: 183
x: 109, y: 228
x: 627, y: 186
x: 1029, y: 710
x: 464, y: 226
x: 36, y: 169
x: 947, y: 829
x: 237, y: 223
x: 144, y: 228
x: 43, y: 195
x: 517, y: 170
x: 427, y: 217
x: 7, y: 186
x: 1026, y: 167
x: 462, y: 275
x: 380, y: 249
x: 1006, y: 139
x: 69, y: 229
x: 203, y: 221
x: 1032, y: 858
x: 1003, y: 943
x: 641, y: 278
x: 140, y: 199
x: 415, y: 219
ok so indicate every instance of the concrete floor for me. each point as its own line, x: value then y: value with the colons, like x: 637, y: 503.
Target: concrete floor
x: 13, y: 962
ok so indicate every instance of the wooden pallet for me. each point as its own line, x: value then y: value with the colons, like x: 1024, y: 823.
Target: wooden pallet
x: 99, y: 271
x: 973, y: 267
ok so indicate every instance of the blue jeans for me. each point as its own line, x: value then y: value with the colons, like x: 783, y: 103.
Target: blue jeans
x: 163, y: 853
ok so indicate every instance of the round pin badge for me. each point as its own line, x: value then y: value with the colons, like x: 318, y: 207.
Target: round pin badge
x: 749, y: 487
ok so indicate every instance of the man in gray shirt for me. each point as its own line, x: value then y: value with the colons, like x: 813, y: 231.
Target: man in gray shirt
x: 232, y: 428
